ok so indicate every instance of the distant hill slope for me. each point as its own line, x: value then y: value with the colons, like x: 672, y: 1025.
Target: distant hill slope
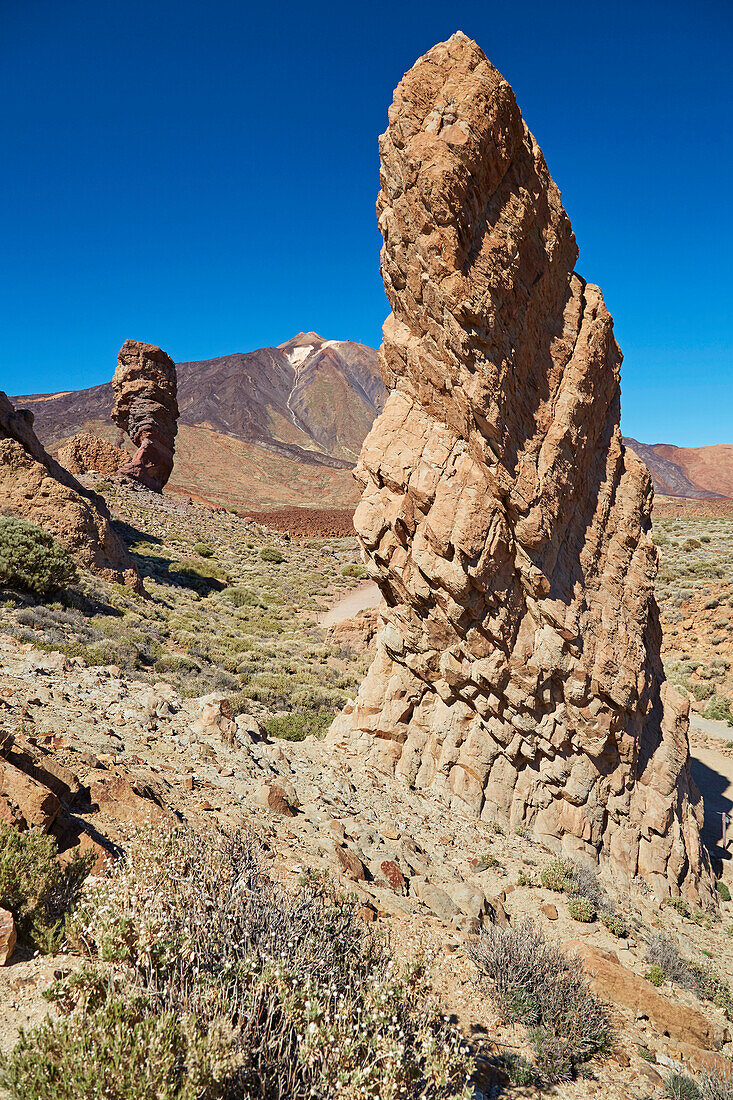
x: 282, y: 427
x: 702, y: 473
x: 273, y: 427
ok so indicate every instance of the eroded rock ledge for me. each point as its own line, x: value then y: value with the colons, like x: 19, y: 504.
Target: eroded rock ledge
x: 518, y: 673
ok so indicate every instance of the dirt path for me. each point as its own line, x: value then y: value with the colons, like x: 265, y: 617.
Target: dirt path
x: 358, y: 599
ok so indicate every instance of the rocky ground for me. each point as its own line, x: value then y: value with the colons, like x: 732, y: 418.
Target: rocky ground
x: 122, y: 747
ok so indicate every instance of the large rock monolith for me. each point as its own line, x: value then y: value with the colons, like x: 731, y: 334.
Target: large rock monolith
x: 518, y: 673
x: 146, y: 407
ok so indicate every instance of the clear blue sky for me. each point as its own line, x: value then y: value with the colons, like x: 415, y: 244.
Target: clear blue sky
x: 203, y: 176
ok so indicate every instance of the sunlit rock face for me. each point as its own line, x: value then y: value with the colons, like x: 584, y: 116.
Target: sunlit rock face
x: 146, y: 407
x: 517, y: 674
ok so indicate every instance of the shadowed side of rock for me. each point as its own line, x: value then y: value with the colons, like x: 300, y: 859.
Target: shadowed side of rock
x: 35, y: 487
x: 517, y: 674
x: 146, y: 407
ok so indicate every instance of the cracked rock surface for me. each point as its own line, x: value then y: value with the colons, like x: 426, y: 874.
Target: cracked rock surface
x: 518, y: 673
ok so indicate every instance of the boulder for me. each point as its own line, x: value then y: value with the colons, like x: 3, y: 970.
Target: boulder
x: 8, y: 936
x: 35, y: 487
x: 517, y: 674
x: 146, y: 407
x: 86, y: 453
x: 613, y: 983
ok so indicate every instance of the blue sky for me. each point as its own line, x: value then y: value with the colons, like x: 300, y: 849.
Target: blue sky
x: 203, y: 176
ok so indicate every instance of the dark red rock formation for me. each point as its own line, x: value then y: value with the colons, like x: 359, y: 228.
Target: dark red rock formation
x: 146, y: 407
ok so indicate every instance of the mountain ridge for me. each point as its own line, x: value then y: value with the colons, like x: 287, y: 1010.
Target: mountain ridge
x: 282, y: 427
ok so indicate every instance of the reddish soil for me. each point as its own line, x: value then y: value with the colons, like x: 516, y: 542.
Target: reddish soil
x: 307, y: 522
x: 673, y: 507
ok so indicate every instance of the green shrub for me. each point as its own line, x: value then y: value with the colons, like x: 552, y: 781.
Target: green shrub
x: 558, y: 875
x: 123, y: 1051
x: 581, y: 909
x: 357, y: 571
x: 299, y: 724
x: 272, y: 554
x: 723, y: 890
x: 655, y: 975
x: 703, y: 691
x: 615, y: 925
x: 31, y: 559
x: 34, y: 886
x: 203, y: 549
x: 719, y: 710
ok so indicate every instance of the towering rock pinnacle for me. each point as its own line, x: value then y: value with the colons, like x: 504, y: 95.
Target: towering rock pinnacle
x: 517, y: 673
x: 146, y: 407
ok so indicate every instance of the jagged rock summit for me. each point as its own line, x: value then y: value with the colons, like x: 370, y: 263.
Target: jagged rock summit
x: 146, y: 407
x: 35, y: 487
x: 517, y: 674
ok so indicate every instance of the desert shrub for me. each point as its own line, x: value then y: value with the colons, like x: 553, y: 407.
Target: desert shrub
x: 519, y: 1070
x: 353, y: 571
x: 241, y: 596
x: 299, y: 724
x: 299, y: 999
x: 719, y: 710
x: 703, y: 690
x: 680, y: 1087
x: 272, y: 554
x: 715, y: 1085
x: 203, y: 549
x: 581, y: 909
x: 655, y: 975
x: 557, y: 875
x: 679, y: 905
x: 123, y: 1051
x: 31, y: 559
x: 535, y: 984
x: 34, y: 886
x: 615, y: 925
x: 723, y: 890
x: 701, y: 978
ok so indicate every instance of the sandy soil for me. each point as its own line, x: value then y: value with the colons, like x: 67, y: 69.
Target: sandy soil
x: 358, y: 599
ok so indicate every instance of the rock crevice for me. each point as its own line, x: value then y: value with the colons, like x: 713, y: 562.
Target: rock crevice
x: 517, y: 673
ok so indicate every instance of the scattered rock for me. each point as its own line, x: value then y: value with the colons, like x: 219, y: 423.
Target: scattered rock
x: 436, y: 899
x: 350, y: 863
x: 273, y: 797
x: 393, y: 876
x: 549, y: 910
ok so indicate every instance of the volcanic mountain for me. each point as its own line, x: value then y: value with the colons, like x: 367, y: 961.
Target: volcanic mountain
x: 279, y: 426
x: 702, y: 473
x: 282, y: 427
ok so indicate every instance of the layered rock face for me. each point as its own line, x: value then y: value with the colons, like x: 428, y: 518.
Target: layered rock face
x: 517, y: 674
x: 35, y: 487
x: 146, y: 407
